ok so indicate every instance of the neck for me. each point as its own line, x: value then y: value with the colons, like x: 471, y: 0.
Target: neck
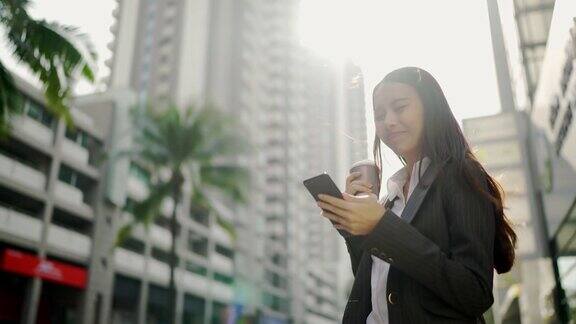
x: 411, y: 159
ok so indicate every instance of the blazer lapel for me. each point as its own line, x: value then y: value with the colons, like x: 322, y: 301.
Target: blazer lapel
x: 419, y: 193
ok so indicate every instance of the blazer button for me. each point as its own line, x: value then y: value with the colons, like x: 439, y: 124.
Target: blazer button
x: 392, y: 299
x: 374, y: 250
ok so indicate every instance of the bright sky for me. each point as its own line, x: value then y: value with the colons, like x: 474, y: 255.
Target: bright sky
x: 91, y: 17
x: 449, y: 38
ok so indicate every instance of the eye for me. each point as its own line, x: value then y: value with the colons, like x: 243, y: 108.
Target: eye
x: 400, y: 108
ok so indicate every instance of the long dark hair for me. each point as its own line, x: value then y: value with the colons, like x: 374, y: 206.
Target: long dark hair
x: 443, y: 140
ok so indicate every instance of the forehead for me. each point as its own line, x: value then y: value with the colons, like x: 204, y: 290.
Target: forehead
x: 386, y: 93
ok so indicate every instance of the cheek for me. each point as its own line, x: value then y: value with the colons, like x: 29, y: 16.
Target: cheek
x: 379, y: 128
x: 415, y: 124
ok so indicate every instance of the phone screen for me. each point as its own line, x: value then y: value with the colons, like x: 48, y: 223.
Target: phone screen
x: 323, y: 184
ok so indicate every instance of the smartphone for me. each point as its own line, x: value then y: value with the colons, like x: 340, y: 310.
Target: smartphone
x: 323, y: 184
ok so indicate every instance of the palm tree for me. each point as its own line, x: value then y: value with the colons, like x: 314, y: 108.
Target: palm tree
x: 192, y: 144
x: 54, y: 53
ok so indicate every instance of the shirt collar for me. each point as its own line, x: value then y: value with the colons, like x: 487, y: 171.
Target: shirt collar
x: 398, y: 179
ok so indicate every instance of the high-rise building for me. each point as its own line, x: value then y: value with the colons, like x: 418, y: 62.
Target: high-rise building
x: 533, y: 20
x: 554, y: 136
x: 540, y: 46
x: 302, y: 115
x: 57, y: 218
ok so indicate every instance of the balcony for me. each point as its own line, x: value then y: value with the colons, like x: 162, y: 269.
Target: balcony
x: 195, y: 283
x: 33, y: 130
x: 73, y: 197
x: 137, y: 189
x: 158, y: 271
x: 222, y: 264
x: 129, y: 262
x: 68, y: 241
x: 221, y: 236
x: 222, y: 292
x: 167, y: 207
x: 161, y: 237
x: 74, y: 151
x: 20, y: 225
x: 21, y: 173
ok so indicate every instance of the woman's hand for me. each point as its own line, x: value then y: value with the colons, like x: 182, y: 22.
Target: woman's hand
x: 354, y: 185
x: 356, y: 215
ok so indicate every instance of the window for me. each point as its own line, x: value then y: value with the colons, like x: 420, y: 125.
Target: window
x: 140, y: 173
x: 78, y: 136
x: 200, y: 215
x: 197, y: 244
x: 133, y: 245
x: 275, y: 279
x: 162, y: 256
x: 37, y: 112
x: 564, y: 128
x: 223, y: 278
x: 195, y: 268
x: 278, y: 260
x: 129, y: 206
x: 224, y: 251
x: 68, y: 175
x: 194, y: 309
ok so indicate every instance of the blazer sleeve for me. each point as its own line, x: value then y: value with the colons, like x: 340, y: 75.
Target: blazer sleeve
x: 462, y: 276
x: 354, y: 246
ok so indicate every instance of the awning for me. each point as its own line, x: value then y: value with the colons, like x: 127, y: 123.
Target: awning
x: 30, y: 265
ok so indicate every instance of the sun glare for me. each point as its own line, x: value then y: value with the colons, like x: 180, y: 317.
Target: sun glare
x: 326, y: 27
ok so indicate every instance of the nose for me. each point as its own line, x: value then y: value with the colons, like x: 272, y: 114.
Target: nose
x: 390, y: 120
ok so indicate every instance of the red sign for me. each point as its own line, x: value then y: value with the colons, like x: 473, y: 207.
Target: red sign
x: 32, y: 266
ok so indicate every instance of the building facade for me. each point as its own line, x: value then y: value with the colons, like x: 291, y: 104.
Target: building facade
x: 55, y: 241
x: 244, y: 57
x: 553, y: 107
x: 541, y: 52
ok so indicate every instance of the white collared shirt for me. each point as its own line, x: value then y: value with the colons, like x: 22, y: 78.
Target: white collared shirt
x: 379, y: 276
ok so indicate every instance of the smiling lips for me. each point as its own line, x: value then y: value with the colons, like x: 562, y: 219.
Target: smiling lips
x: 392, y: 136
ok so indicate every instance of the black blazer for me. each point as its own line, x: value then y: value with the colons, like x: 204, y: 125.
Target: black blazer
x: 440, y: 254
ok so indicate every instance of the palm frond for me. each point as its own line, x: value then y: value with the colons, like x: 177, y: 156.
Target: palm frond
x: 222, y: 136
x: 56, y: 54
x: 193, y: 138
x: 123, y: 233
x: 146, y: 210
x: 232, y: 181
x: 227, y: 226
x: 11, y: 101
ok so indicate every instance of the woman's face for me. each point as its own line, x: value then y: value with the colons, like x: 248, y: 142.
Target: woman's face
x: 399, y: 118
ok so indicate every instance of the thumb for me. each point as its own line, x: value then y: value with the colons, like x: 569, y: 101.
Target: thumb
x: 350, y: 197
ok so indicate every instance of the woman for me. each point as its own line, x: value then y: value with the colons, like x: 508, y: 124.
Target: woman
x: 427, y: 255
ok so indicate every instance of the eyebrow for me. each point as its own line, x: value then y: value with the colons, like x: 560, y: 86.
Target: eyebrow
x: 399, y: 99
x: 393, y: 102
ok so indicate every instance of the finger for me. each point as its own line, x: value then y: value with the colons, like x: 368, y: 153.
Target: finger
x: 340, y: 203
x: 336, y: 218
x: 359, y: 188
x: 362, y: 183
x: 333, y: 209
x: 352, y: 176
x: 355, y: 199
